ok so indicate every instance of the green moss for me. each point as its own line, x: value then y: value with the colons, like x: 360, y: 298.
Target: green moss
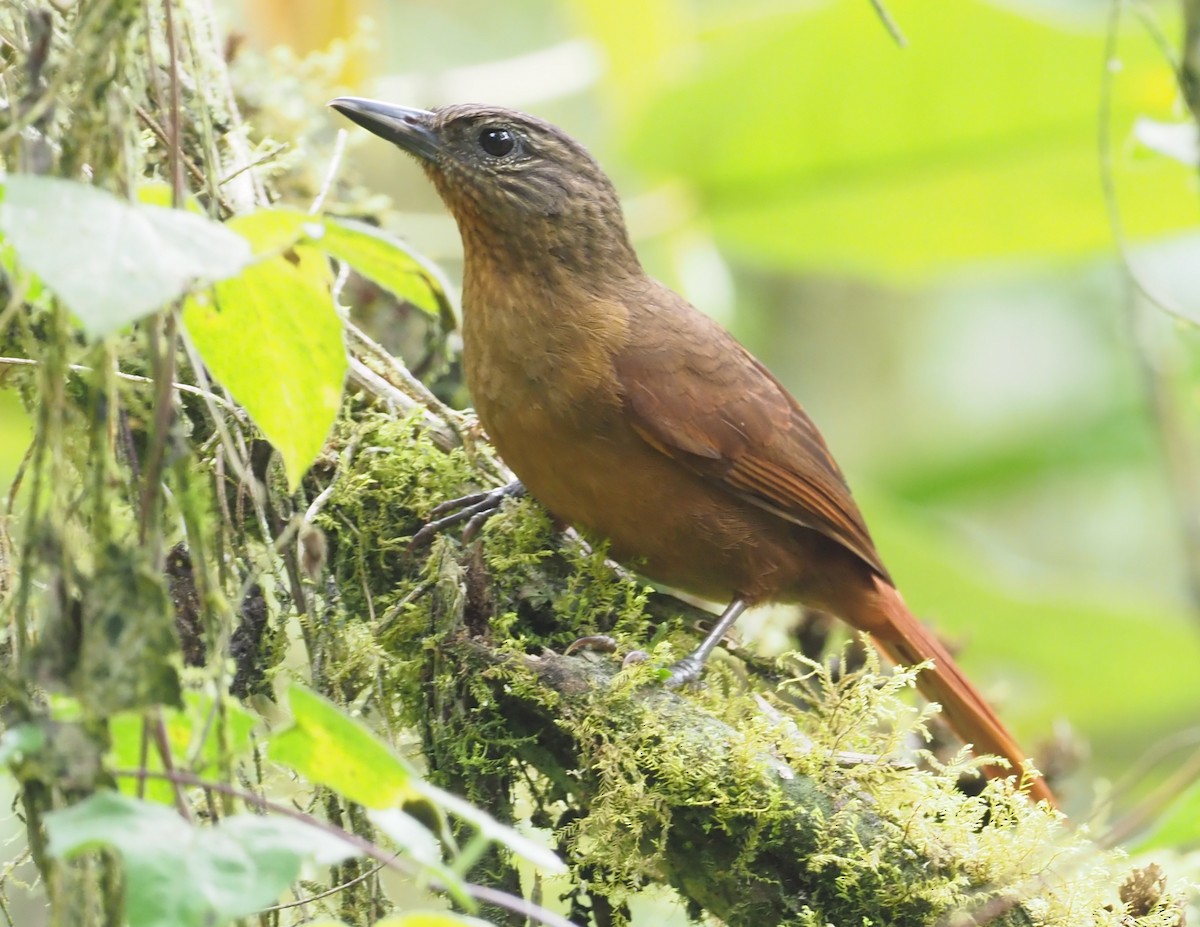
x: 810, y: 773
x: 396, y: 476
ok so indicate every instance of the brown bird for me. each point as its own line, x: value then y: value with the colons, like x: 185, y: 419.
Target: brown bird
x: 630, y: 414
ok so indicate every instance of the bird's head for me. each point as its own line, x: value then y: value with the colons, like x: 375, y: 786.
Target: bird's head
x: 512, y: 181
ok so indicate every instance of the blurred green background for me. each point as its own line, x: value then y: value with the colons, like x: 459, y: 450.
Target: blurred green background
x: 918, y: 242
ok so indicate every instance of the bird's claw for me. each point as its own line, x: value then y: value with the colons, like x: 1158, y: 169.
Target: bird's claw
x: 474, y: 509
x: 599, y: 643
x: 684, y: 671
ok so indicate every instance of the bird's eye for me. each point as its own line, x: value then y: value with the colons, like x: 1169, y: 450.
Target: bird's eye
x: 497, y: 141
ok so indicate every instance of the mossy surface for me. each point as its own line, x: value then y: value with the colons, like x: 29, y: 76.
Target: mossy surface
x: 787, y: 805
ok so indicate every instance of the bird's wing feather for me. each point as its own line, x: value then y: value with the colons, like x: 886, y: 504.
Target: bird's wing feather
x: 693, y: 393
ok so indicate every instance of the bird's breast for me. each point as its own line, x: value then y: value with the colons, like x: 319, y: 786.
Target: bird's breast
x: 543, y: 380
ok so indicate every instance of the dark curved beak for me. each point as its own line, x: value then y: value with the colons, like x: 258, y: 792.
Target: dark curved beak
x: 410, y: 129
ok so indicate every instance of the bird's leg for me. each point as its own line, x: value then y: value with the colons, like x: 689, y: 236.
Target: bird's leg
x: 474, y: 509
x: 689, y: 667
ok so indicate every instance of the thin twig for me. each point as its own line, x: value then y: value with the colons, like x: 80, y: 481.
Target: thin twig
x: 1153, y: 806
x: 278, y: 546
x: 197, y: 174
x: 161, y: 134
x: 163, y: 347
x: 135, y: 378
x: 1107, y: 176
x: 158, y: 732
x: 249, y: 191
x: 393, y: 612
x: 889, y: 24
x: 1176, y: 452
x: 261, y: 159
x: 175, y: 145
x: 155, y: 89
x: 1145, y: 13
x: 439, y: 431
x: 16, y: 301
x: 335, y: 162
x: 1141, y: 769
x: 407, y: 383
x: 300, y: 902
x: 164, y: 344
x: 38, y: 108
x: 347, y: 459
x: 238, y: 463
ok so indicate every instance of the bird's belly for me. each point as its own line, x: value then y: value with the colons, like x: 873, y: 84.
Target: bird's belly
x: 660, y: 519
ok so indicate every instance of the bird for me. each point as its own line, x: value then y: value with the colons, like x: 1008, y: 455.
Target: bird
x: 635, y: 417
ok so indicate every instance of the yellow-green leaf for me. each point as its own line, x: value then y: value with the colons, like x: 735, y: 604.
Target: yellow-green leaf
x: 272, y: 337
x: 432, y: 919
x: 327, y: 747
x: 386, y: 262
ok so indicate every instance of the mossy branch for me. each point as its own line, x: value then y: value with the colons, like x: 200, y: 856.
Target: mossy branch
x: 745, y: 837
x: 735, y: 795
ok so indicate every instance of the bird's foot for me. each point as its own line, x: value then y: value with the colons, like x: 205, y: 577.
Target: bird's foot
x: 690, y: 667
x: 684, y: 671
x: 474, y: 509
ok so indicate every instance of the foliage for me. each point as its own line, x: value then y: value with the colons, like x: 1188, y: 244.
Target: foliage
x: 882, y: 174
x: 179, y: 874
x: 278, y: 305
x: 269, y: 332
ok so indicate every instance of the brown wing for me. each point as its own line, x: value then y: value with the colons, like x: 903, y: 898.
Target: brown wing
x: 695, y: 394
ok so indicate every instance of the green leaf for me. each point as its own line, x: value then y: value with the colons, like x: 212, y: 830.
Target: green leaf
x: 909, y: 162
x: 273, y: 232
x: 272, y: 337
x: 327, y: 747
x: 180, y: 875
x: 417, y: 840
x: 432, y: 919
x: 386, y: 262
x: 110, y: 261
x: 159, y: 193
x: 16, y: 431
x: 34, y: 288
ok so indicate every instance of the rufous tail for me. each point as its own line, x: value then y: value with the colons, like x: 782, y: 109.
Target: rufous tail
x: 907, y: 641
